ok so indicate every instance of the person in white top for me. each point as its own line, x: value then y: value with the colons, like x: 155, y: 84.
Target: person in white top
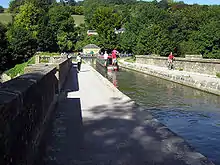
x: 79, y: 61
x: 106, y: 57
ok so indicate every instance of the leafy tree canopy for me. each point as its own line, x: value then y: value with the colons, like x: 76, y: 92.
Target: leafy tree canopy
x: 1, y: 9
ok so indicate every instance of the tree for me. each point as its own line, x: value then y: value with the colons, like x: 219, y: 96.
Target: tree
x: 209, y: 40
x: 46, y: 38
x: 71, y: 2
x: 63, y: 27
x: 40, y: 4
x: 14, y: 6
x: 57, y: 15
x: 91, y: 6
x: 67, y: 35
x: 105, y: 20
x: 77, y: 10
x: 22, y: 43
x: 5, y: 58
x: 28, y: 17
x: 1, y: 9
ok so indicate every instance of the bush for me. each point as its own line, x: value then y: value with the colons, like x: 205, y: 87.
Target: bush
x: 1, y: 9
x: 218, y: 75
x: 19, y: 68
x: 48, y: 54
x: 22, y: 44
x: 77, y: 10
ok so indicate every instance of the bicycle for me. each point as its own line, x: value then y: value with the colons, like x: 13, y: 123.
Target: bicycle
x: 170, y: 65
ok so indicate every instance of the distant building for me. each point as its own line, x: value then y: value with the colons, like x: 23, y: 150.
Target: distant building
x: 122, y: 30
x: 91, y: 49
x: 92, y: 32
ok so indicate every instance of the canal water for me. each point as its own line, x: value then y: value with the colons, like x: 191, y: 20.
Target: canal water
x: 192, y: 114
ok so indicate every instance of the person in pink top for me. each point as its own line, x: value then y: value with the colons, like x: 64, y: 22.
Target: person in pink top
x: 114, y: 57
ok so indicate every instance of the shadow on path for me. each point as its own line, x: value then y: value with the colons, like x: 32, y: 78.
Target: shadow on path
x: 72, y: 83
x: 113, y: 134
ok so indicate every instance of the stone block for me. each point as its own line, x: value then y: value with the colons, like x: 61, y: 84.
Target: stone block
x: 24, y: 102
x: 192, y: 63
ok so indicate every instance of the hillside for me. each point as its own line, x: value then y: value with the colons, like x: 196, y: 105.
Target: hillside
x: 79, y: 19
x: 5, y: 18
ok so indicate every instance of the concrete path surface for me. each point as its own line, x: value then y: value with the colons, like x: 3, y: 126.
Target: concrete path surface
x: 95, y: 124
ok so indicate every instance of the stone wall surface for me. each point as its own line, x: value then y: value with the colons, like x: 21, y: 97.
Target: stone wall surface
x: 205, y: 66
x: 203, y: 82
x: 63, y: 68
x: 26, y: 103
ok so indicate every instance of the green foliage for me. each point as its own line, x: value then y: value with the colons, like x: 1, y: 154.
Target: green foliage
x: 5, y: 57
x: 105, y: 20
x: 90, y: 6
x: 179, y: 28
x: 208, y: 39
x: 57, y: 15
x: 189, y: 47
x: 14, y: 6
x: 77, y: 10
x: 22, y: 43
x: 218, y: 75
x: 19, y: 68
x: 56, y: 30
x: 27, y: 17
x: 65, y: 41
x: 41, y: 25
x: 48, y: 54
x: 63, y: 25
x: 1, y: 9
x: 46, y: 38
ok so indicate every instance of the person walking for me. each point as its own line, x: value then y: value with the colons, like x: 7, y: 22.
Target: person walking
x: 79, y: 62
x: 106, y: 57
x: 114, y: 56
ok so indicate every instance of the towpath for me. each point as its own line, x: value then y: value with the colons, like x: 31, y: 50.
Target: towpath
x: 95, y: 124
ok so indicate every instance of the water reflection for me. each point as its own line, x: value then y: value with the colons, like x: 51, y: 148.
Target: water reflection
x: 192, y: 114
x: 113, y: 77
x: 110, y: 75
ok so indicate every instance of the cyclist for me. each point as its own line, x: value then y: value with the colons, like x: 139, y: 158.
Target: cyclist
x: 170, y: 60
x: 114, y: 56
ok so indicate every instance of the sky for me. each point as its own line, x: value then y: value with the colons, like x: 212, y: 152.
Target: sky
x: 5, y: 3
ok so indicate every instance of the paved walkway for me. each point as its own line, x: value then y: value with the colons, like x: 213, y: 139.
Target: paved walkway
x: 112, y: 132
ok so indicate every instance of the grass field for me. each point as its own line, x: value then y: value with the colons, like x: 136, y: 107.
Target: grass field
x: 5, y: 18
x: 78, y: 19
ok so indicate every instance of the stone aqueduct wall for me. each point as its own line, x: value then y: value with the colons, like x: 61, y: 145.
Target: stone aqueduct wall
x: 205, y: 66
x: 209, y: 85
x: 26, y: 104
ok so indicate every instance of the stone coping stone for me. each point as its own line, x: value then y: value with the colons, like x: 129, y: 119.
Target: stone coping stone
x: 216, y: 61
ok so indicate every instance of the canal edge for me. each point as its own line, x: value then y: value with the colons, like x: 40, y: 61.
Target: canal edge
x: 195, y: 154
x: 181, y: 81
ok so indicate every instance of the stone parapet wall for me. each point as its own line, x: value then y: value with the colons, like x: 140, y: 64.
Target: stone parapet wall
x: 63, y: 68
x: 62, y: 65
x: 205, y: 66
x: 208, y: 84
x: 26, y: 105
